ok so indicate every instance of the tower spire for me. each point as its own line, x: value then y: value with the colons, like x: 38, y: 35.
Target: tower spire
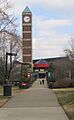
x: 27, y: 10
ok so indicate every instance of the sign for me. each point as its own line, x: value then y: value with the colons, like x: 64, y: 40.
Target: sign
x: 41, y: 70
x: 36, y: 70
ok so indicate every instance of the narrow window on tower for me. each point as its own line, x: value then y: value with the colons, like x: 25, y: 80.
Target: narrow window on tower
x: 26, y: 35
x: 26, y: 28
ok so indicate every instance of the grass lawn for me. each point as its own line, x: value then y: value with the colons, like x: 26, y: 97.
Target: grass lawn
x: 1, y: 89
x: 4, y: 99
x: 15, y: 90
x: 66, y: 99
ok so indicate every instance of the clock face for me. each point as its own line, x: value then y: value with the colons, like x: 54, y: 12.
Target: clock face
x: 26, y: 18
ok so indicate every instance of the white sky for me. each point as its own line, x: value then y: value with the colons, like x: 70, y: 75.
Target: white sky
x: 53, y: 25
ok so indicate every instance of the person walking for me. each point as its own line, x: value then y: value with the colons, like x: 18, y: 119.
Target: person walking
x: 43, y: 82
x: 40, y: 82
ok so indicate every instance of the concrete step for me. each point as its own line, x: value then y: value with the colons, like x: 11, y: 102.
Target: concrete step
x: 37, y: 84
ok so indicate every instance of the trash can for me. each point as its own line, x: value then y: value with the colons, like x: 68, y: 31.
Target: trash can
x: 7, y: 89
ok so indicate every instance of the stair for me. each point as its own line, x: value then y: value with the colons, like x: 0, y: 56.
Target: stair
x: 37, y: 84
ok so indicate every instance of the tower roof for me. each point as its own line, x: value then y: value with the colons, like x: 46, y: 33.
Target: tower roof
x: 26, y: 10
x: 41, y: 61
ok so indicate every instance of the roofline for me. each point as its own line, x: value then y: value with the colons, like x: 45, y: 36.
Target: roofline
x: 49, y: 59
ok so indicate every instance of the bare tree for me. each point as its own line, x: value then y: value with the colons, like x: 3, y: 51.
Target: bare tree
x: 70, y: 51
x: 70, y: 54
x: 10, y: 40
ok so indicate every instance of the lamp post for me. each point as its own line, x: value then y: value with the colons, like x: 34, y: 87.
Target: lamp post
x: 10, y: 54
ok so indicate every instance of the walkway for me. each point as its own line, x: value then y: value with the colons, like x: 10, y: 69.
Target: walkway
x: 33, y: 104
x: 38, y: 85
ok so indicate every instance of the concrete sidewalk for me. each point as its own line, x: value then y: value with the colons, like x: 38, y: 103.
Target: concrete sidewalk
x: 33, y: 104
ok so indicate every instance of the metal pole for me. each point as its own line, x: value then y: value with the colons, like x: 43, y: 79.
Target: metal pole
x: 6, y: 68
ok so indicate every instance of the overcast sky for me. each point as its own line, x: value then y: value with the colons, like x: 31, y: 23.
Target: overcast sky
x: 53, y: 25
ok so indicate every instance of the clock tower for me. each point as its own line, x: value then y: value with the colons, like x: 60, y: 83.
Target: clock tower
x: 27, y: 35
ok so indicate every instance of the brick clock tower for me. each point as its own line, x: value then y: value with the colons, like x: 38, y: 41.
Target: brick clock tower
x: 27, y: 35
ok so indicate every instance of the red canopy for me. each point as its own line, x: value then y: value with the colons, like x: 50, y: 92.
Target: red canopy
x: 41, y: 64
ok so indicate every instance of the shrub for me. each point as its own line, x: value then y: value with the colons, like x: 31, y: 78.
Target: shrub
x: 62, y: 83
x: 72, y: 82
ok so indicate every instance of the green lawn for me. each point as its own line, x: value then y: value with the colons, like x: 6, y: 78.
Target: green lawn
x: 4, y: 99
x: 1, y: 89
x: 66, y: 99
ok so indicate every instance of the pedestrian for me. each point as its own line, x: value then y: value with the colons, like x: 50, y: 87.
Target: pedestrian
x: 43, y: 82
x: 40, y: 82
